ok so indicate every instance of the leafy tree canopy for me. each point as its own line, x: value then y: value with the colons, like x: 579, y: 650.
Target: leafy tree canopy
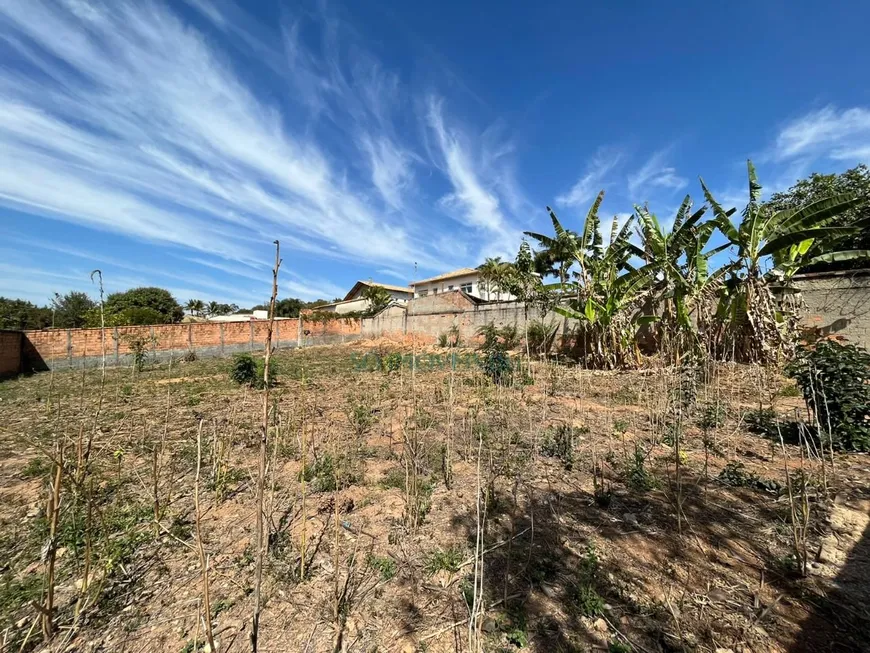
x: 20, y: 314
x: 290, y: 306
x: 157, y: 299
x: 855, y: 181
x: 134, y: 316
x: 71, y: 310
x: 378, y: 298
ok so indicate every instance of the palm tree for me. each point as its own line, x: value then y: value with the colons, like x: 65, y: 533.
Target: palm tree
x: 557, y: 254
x: 378, y: 298
x: 213, y: 308
x: 494, y: 274
x: 194, y: 306
x: 771, y: 247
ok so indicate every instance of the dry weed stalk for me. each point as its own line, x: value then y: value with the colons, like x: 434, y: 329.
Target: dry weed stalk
x: 53, y: 514
x: 475, y: 619
x: 261, y: 479
x: 203, y: 559
x: 304, y: 535
x: 798, y: 502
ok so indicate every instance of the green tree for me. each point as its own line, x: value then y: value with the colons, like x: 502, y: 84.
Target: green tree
x: 556, y: 255
x: 216, y: 308
x: 164, y: 306
x: 495, y: 276
x: 287, y: 307
x: 677, y: 266
x: 195, y: 307
x: 771, y: 246
x: 606, y: 292
x: 21, y: 314
x: 855, y: 181
x: 378, y: 298
x: 71, y: 310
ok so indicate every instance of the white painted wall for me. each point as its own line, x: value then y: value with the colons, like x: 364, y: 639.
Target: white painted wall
x: 395, y: 294
x: 455, y: 283
x: 349, y: 306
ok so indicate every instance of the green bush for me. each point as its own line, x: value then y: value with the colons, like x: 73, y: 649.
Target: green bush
x: 835, y: 381
x: 390, y: 362
x: 329, y: 475
x: 385, y: 566
x: 450, y: 338
x: 496, y: 364
x: 506, y: 337
x: 446, y: 559
x: 587, y: 600
x: 559, y: 443
x: 246, y: 370
x: 637, y: 475
x: 510, y: 336
x: 541, y: 336
x: 140, y: 350
x: 736, y: 475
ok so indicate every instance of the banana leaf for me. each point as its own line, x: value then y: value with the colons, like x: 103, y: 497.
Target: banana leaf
x: 789, y: 239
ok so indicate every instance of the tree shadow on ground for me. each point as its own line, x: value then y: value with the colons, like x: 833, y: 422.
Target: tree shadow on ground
x: 582, y: 575
x: 840, y: 622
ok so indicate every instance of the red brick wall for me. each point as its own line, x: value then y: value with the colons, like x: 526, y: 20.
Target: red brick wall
x: 72, y: 344
x: 339, y: 327
x: 10, y: 353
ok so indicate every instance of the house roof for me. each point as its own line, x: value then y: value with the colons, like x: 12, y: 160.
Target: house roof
x: 461, y: 272
x: 388, y: 286
x: 343, y: 301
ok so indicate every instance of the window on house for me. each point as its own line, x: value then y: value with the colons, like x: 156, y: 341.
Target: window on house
x: 422, y: 293
x: 449, y: 287
x: 434, y: 291
x: 466, y: 287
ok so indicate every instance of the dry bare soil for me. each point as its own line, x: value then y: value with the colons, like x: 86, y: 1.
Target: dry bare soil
x: 593, y: 536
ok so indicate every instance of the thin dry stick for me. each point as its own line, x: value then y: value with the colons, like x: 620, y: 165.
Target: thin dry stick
x: 473, y: 639
x: 203, y: 560
x: 302, y: 548
x: 261, y: 480
x: 53, y: 514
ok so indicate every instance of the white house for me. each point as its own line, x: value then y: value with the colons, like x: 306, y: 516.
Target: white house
x: 354, y: 301
x: 465, y: 279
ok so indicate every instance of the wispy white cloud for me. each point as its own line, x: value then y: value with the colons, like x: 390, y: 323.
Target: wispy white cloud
x: 391, y: 170
x: 474, y: 200
x: 594, y: 177
x: 656, y: 173
x: 829, y: 132
x: 139, y: 126
x: 392, y: 273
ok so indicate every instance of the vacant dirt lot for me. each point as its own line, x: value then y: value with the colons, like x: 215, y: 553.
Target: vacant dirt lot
x: 614, y: 511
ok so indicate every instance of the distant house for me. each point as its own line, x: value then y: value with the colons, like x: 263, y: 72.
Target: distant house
x: 243, y: 317
x: 355, y: 302
x: 465, y: 279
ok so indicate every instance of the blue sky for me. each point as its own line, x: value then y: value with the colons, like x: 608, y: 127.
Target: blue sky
x: 169, y: 143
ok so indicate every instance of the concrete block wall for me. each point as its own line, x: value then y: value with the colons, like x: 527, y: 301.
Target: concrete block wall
x: 837, y: 304
x: 428, y: 317
x: 10, y: 353
x: 61, y: 348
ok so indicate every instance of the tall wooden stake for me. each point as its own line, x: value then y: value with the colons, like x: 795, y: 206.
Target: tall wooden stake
x: 261, y: 479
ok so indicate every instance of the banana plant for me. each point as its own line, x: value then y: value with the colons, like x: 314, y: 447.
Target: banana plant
x: 787, y: 236
x: 604, y: 293
x: 678, y: 268
x: 771, y: 246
